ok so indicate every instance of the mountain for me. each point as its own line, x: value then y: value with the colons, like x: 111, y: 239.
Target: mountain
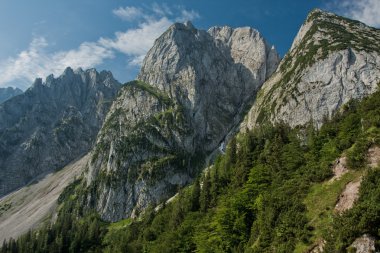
x: 7, y: 93
x: 161, y: 178
x: 192, y: 92
x: 51, y: 124
x: 332, y: 60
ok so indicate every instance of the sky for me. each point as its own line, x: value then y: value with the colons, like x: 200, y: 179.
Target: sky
x: 43, y: 37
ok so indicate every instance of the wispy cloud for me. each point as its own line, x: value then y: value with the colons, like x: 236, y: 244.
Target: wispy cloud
x: 188, y: 15
x: 149, y: 22
x: 367, y: 11
x: 136, y: 42
x: 36, y: 62
x: 88, y: 54
x: 163, y: 9
x: 128, y: 13
x: 26, y: 66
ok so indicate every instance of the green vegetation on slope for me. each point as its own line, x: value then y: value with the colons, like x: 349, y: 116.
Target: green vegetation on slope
x: 320, y: 203
x: 151, y: 90
x: 155, y: 135
x: 363, y: 218
x: 256, y: 198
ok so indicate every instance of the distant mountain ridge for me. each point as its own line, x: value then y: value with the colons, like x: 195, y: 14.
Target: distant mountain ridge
x: 7, y: 93
x: 52, y: 123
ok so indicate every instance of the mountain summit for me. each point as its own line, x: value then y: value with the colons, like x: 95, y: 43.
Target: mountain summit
x: 192, y: 92
x: 51, y: 124
x: 332, y: 60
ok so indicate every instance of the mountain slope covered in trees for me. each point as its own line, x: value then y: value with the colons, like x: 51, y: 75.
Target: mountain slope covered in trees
x: 251, y: 200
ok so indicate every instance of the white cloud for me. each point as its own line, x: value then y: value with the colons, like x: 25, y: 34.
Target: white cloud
x: 161, y: 10
x: 188, y: 15
x: 26, y: 66
x: 367, y: 11
x: 134, y: 43
x: 128, y: 13
x: 154, y: 21
x: 88, y: 54
x: 137, y: 61
x: 36, y: 62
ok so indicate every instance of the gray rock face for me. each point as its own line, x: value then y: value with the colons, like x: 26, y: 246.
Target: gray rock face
x: 51, y: 124
x: 364, y: 244
x: 193, y: 89
x: 7, y: 93
x: 332, y: 61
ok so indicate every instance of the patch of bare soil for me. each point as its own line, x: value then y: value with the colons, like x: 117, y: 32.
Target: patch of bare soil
x: 348, y: 197
x: 373, y: 156
x: 339, y: 169
x: 318, y: 247
x: 30, y: 205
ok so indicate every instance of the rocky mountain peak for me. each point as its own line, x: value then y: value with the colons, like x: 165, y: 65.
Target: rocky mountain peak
x: 189, y: 25
x: 68, y: 72
x: 76, y: 77
x: 192, y: 91
x: 314, y: 16
x: 336, y: 29
x: 37, y: 82
x: 244, y: 44
x: 51, y: 123
x: 332, y: 60
x: 182, y: 46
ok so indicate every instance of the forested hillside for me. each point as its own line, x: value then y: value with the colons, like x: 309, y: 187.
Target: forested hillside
x: 254, y: 199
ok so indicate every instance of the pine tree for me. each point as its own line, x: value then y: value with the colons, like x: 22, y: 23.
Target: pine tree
x: 205, y: 197
x: 4, y: 248
x: 215, y: 184
x: 231, y: 151
x: 195, y: 195
x: 12, y: 246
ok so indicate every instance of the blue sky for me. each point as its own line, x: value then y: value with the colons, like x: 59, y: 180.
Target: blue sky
x: 45, y: 36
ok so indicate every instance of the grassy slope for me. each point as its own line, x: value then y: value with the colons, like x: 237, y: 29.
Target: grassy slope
x: 320, y: 203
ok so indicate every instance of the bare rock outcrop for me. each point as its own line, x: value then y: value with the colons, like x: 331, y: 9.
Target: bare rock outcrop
x: 332, y: 60
x: 339, y: 168
x: 373, y: 156
x: 348, y: 197
x: 364, y: 244
x: 192, y: 91
x: 51, y: 124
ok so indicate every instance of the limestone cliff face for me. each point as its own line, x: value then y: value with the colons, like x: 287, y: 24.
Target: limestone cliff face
x: 51, y: 124
x: 332, y: 61
x: 193, y: 89
x: 7, y: 93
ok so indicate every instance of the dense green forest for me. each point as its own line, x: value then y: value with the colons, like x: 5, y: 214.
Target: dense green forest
x: 257, y: 197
